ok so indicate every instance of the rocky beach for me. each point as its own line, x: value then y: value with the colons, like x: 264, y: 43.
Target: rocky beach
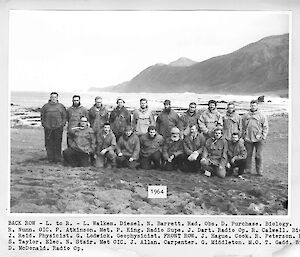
x: 37, y: 186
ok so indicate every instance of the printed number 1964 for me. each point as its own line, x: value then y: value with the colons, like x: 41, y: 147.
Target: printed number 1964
x: 157, y: 191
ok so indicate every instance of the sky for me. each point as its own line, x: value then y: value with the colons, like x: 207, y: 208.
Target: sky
x: 72, y: 51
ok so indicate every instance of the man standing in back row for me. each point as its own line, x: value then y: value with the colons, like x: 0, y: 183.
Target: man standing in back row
x: 255, y: 130
x: 120, y: 118
x: 142, y: 118
x: 167, y: 120
x: 53, y: 118
x: 98, y: 115
x: 232, y: 122
x: 191, y: 116
x: 210, y: 119
x: 74, y: 113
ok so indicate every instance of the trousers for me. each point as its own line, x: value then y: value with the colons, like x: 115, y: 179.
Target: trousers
x: 240, y: 164
x: 53, y: 139
x: 123, y: 162
x: 75, y: 158
x: 152, y: 161
x: 192, y: 166
x: 258, y: 146
x: 176, y: 163
x: 215, y: 169
x: 108, y: 158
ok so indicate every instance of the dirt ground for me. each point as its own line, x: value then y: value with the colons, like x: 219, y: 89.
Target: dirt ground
x: 40, y: 187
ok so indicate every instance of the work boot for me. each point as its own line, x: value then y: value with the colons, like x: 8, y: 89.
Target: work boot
x: 258, y: 165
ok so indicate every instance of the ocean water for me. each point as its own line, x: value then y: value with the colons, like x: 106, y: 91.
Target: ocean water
x: 155, y: 100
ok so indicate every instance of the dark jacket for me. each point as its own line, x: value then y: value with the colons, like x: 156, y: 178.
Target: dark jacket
x: 216, y: 151
x: 83, y: 140
x: 172, y: 148
x: 166, y: 121
x: 187, y: 119
x: 97, y: 117
x: 129, y: 146
x: 237, y: 150
x: 74, y: 114
x: 104, y: 141
x: 150, y: 145
x: 232, y: 122
x: 53, y: 115
x: 191, y: 144
x: 119, y: 119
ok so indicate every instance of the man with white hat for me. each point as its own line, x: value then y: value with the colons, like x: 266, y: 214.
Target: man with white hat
x: 173, y: 151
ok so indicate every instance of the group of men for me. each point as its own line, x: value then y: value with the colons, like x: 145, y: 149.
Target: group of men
x: 198, y: 140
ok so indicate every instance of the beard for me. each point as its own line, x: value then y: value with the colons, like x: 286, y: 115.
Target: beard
x: 167, y: 110
x: 76, y: 104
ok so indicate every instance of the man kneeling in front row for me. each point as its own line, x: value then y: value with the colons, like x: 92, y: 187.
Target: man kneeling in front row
x: 151, y: 148
x: 173, y: 151
x: 237, y: 155
x: 128, y: 149
x: 193, y: 145
x: 105, y: 151
x: 214, y: 156
x: 81, y: 146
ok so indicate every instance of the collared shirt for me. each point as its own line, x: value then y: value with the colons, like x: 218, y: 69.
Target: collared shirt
x: 193, y: 143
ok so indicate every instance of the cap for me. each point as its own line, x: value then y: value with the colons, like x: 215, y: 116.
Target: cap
x: 175, y: 130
